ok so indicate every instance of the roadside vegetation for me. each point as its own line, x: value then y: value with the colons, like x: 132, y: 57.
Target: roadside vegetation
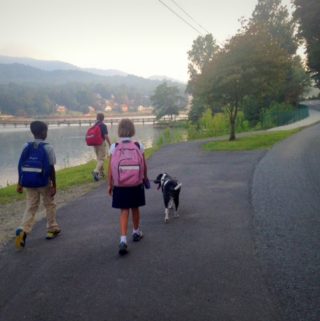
x: 81, y: 174
x: 254, y: 142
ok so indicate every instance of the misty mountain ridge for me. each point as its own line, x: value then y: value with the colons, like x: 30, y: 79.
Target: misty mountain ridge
x: 27, y: 90
x: 53, y: 65
x: 47, y: 65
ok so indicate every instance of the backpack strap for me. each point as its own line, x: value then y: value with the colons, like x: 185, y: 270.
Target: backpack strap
x: 136, y: 143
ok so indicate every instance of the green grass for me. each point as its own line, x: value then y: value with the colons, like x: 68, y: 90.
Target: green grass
x: 255, y: 142
x: 66, y: 179
x: 8, y: 194
x: 81, y: 174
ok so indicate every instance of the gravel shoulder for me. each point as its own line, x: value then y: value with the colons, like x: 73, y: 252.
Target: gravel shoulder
x: 11, y: 213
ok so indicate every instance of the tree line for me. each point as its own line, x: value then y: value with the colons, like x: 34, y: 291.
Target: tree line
x: 257, y: 71
x: 28, y: 91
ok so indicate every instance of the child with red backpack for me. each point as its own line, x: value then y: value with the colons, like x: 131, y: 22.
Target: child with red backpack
x: 97, y: 136
x: 127, y: 177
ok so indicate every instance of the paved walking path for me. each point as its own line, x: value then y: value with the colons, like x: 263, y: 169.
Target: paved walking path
x: 204, y: 266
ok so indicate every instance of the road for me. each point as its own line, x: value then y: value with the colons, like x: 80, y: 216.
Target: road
x: 211, y: 264
x: 286, y: 198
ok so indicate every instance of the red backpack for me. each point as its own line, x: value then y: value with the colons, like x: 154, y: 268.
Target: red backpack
x: 93, y: 136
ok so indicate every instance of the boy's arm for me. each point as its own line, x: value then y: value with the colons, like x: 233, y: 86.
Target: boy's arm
x: 19, y: 188
x: 107, y: 139
x: 145, y: 168
x: 53, y: 181
x: 109, y: 176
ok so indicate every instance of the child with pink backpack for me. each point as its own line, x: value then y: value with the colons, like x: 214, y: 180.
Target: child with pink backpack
x: 127, y: 178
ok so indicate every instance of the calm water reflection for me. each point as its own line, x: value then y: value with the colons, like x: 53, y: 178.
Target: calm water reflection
x: 68, y: 142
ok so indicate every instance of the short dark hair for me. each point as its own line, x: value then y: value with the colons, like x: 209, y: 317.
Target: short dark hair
x: 100, y: 116
x: 126, y: 128
x: 38, y: 127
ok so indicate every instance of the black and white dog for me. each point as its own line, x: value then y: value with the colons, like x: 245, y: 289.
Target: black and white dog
x: 170, y: 190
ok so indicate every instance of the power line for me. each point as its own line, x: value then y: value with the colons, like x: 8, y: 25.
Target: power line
x: 185, y: 21
x: 187, y: 14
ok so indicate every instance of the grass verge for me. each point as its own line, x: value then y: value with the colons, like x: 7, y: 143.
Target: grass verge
x: 66, y: 179
x: 255, y: 142
x: 81, y: 174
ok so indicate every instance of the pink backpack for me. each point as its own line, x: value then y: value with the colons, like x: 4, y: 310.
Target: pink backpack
x: 127, y: 164
x: 93, y: 136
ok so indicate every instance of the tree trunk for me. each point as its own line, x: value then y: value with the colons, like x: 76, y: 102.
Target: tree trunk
x: 232, y: 130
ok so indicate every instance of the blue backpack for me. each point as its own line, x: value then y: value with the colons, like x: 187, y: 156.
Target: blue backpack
x: 34, y: 167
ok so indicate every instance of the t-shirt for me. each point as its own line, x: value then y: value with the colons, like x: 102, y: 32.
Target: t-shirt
x: 113, y: 146
x: 103, y: 128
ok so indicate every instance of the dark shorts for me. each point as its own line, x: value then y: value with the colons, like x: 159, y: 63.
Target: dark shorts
x: 128, y: 197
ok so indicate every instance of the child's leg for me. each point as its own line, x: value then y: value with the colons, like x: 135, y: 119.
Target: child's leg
x: 50, y: 206
x: 137, y: 234
x: 136, y: 217
x: 124, y: 217
x: 32, y: 205
x: 101, y: 155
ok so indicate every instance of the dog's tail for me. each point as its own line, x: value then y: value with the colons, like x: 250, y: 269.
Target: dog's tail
x: 178, y: 187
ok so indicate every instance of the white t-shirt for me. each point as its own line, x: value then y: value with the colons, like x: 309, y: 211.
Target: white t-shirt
x: 122, y: 139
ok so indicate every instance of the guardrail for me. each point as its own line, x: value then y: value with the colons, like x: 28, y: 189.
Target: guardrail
x: 90, y: 121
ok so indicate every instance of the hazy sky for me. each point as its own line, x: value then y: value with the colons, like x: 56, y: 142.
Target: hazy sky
x: 141, y: 37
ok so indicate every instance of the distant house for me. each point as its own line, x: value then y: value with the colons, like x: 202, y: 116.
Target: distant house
x: 61, y: 109
x: 124, y: 108
x: 108, y: 108
x: 144, y: 109
x: 141, y: 108
x: 91, y: 109
x: 5, y: 116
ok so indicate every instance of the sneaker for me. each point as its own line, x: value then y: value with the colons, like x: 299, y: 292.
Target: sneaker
x: 123, y: 248
x: 52, y: 234
x: 21, y: 236
x: 95, y: 176
x: 101, y: 175
x: 136, y: 237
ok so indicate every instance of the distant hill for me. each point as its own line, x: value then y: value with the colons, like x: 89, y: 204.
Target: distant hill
x: 51, y: 65
x: 163, y: 78
x: 40, y: 64
x: 22, y: 74
x: 105, y: 72
x: 19, y: 73
x: 27, y: 90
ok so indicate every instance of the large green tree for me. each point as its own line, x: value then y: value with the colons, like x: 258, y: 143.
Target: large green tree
x: 249, y: 65
x: 166, y: 100
x: 307, y: 13
x: 256, y: 67
x: 275, y: 18
x: 201, y: 54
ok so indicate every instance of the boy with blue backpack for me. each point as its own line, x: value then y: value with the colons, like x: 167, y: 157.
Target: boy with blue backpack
x: 37, y: 176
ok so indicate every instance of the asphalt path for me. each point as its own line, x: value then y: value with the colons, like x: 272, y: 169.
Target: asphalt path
x: 286, y: 198
x: 208, y: 265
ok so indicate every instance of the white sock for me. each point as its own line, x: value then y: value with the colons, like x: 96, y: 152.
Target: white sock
x: 123, y: 238
x: 136, y: 231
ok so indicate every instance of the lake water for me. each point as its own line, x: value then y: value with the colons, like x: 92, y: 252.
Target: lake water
x: 68, y: 143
